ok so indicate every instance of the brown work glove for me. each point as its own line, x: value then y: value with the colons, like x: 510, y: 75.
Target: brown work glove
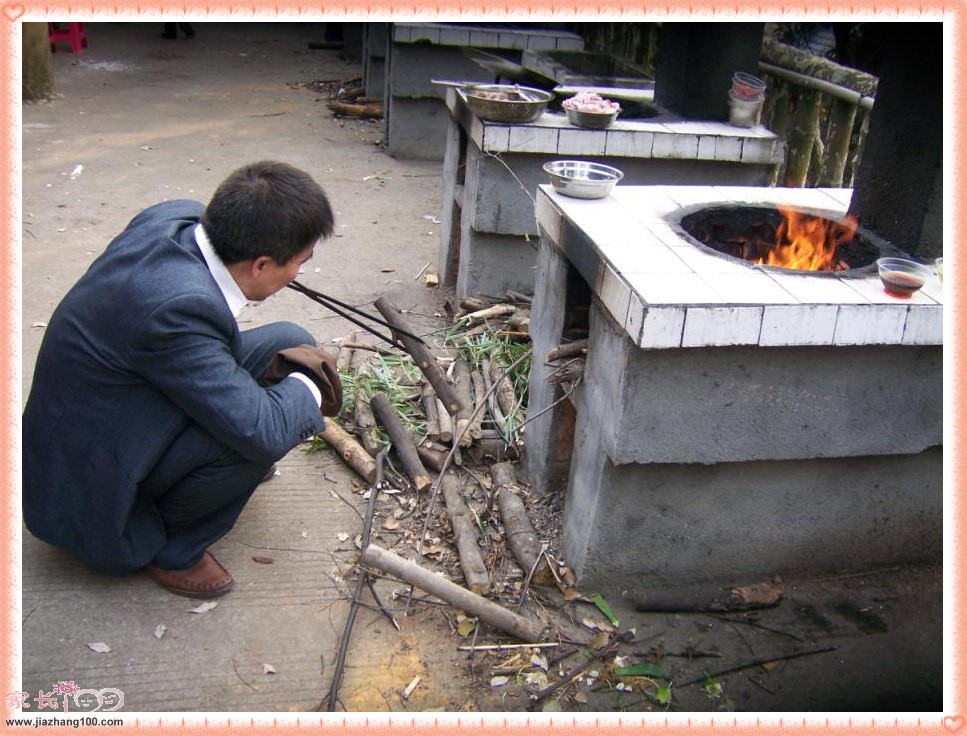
x: 315, y: 363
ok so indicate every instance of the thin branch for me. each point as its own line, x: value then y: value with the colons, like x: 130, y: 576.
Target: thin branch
x: 756, y: 663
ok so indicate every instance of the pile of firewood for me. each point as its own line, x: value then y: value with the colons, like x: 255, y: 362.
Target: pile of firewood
x: 461, y: 410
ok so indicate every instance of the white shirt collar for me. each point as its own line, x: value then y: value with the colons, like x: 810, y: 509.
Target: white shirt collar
x: 226, y: 284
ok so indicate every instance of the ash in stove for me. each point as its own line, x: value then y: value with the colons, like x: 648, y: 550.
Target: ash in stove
x: 775, y: 239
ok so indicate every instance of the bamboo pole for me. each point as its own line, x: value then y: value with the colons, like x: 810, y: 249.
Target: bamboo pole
x: 402, y: 443
x: 842, y: 116
x: 460, y: 598
x: 420, y: 353
x: 803, y: 137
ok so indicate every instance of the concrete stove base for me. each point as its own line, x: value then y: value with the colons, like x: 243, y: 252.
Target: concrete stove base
x: 728, y: 464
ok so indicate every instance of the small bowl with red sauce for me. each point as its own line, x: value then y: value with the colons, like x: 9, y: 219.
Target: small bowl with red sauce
x: 901, y: 277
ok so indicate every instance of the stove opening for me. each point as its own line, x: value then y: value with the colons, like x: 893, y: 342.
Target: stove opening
x: 785, y: 239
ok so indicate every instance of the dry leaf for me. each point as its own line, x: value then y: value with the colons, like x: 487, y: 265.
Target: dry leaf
x: 99, y: 646
x: 599, y: 641
x: 342, y: 536
x: 466, y: 627
x: 539, y: 660
x: 391, y: 524
x: 204, y: 607
x: 159, y: 631
x: 268, y: 669
x: 263, y: 560
x: 499, y: 681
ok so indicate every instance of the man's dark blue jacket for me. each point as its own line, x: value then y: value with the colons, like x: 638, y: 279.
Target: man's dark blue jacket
x: 141, y: 346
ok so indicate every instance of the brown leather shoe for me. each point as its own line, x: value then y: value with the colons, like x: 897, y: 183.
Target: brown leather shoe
x: 207, y: 579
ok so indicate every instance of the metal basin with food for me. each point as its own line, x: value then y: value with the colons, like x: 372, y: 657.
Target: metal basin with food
x: 506, y: 103
x: 583, y: 179
x: 590, y: 110
x: 590, y: 119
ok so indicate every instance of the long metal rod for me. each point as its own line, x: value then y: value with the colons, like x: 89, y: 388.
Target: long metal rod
x: 336, y: 306
x: 330, y: 700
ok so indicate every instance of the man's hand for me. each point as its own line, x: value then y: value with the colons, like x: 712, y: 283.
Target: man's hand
x: 315, y: 363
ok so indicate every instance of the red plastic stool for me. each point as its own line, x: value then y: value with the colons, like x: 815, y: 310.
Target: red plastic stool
x: 74, y: 33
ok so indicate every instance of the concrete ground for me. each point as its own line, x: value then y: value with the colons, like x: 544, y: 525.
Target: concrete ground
x: 138, y: 119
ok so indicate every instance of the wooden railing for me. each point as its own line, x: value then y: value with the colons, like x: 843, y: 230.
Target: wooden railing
x: 821, y: 110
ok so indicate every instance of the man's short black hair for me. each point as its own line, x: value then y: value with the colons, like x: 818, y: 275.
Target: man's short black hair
x: 267, y: 208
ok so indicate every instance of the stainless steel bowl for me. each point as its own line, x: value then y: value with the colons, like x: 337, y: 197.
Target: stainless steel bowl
x: 583, y: 179
x: 531, y: 103
x: 591, y: 119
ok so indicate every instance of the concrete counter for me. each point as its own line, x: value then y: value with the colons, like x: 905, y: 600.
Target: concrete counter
x: 492, y: 172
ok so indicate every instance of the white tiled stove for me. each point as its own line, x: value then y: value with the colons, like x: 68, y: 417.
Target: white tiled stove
x: 669, y: 293
x: 732, y: 422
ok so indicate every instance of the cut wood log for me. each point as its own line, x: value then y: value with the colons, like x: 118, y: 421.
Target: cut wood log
x: 460, y: 598
x: 492, y: 404
x: 482, y: 315
x: 506, y: 398
x: 461, y: 385
x: 694, y: 599
x: 516, y: 296
x: 520, y: 321
x: 345, y: 355
x: 474, y: 304
x: 479, y: 398
x: 402, y: 442
x: 372, y: 110
x: 366, y: 428
x: 429, y: 401
x: 352, y: 453
x: 465, y: 534
x: 421, y: 355
x: 521, y: 538
x: 568, y: 350
x: 445, y: 422
x: 432, y: 456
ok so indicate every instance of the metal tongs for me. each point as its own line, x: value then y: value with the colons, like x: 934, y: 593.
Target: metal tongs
x: 338, y: 307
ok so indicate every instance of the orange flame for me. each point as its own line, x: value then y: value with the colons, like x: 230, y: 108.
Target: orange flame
x: 809, y: 243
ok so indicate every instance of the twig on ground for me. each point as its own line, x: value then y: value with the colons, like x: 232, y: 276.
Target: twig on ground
x: 755, y: 663
x: 242, y: 679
